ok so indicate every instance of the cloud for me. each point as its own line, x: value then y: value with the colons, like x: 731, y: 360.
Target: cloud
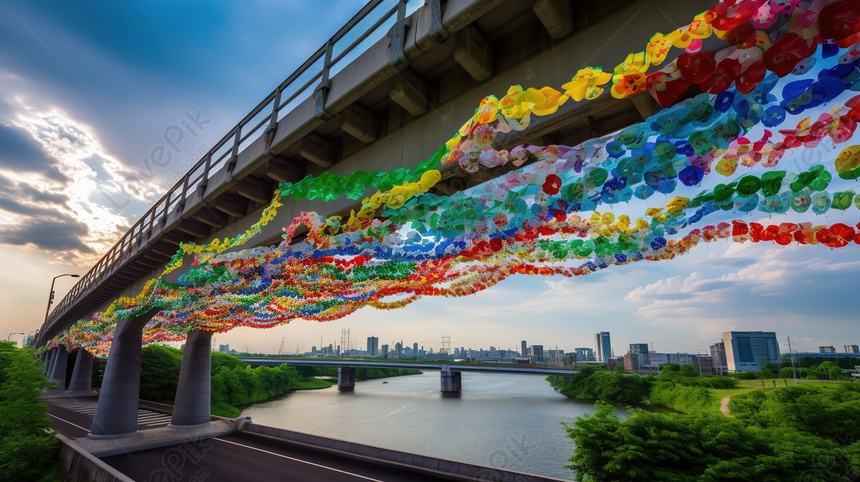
x: 20, y: 152
x: 786, y: 289
x: 59, y: 234
x: 39, y: 218
x: 74, y: 200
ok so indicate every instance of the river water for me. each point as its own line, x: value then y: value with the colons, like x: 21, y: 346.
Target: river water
x: 509, y: 421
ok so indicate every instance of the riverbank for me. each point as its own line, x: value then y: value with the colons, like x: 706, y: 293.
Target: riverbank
x: 309, y: 378
x: 236, y: 385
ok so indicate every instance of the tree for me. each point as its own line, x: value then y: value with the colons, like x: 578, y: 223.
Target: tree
x: 160, y: 366
x: 29, y: 448
x: 689, y: 370
x: 650, y: 446
x: 769, y: 370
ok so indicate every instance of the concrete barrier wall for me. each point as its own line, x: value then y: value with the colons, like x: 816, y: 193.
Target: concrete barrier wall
x: 78, y: 465
x: 442, y: 468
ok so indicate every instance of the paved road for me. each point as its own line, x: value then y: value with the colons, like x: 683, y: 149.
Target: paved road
x: 247, y: 458
x: 229, y: 458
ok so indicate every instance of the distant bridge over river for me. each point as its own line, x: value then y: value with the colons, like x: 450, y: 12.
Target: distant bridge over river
x: 451, y: 379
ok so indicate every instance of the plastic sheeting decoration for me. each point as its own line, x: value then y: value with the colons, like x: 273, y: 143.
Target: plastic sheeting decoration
x: 775, y: 93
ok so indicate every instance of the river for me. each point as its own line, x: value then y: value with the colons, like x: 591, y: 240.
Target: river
x: 509, y: 421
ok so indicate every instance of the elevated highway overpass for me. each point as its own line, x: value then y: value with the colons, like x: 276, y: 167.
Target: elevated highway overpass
x: 384, y: 92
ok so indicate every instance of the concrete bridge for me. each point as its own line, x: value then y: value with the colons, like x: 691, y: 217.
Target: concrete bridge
x: 450, y: 383
x: 386, y: 91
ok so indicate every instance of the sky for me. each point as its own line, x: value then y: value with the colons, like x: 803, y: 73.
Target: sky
x: 89, y: 91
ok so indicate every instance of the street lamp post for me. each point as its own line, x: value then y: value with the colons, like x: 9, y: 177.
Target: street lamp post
x: 10, y: 335
x: 51, y: 297
x: 791, y: 357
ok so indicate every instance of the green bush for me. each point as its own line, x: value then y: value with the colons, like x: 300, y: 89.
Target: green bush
x: 745, y: 375
x: 233, y: 383
x: 28, y: 450
x: 593, y: 383
x: 833, y: 413
x: 159, y: 373
x: 681, y: 398
x: 649, y: 446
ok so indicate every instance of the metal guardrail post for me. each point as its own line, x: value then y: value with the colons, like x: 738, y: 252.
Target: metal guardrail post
x: 181, y: 204
x: 234, y: 155
x: 437, y: 30
x: 398, y: 37
x: 321, y: 92
x: 272, y: 128
x: 204, y: 181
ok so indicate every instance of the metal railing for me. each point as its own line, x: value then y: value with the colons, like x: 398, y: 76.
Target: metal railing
x: 368, y: 26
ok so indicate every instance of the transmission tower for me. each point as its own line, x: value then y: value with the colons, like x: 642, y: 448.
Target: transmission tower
x: 344, y: 341
x: 446, y: 344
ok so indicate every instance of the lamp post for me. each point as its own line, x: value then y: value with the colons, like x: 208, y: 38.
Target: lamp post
x: 10, y: 335
x: 791, y: 357
x: 51, y: 297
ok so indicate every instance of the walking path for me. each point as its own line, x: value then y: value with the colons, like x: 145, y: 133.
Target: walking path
x: 724, y: 406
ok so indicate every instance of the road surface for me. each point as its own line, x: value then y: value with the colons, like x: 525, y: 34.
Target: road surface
x: 229, y: 458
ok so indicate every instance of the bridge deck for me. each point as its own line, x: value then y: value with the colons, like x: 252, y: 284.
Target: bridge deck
x: 416, y: 366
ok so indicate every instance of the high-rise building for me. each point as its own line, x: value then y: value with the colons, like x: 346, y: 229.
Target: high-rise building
x: 747, y: 350
x: 536, y: 353
x: 525, y: 348
x: 705, y: 364
x: 852, y: 349
x: 384, y: 351
x: 584, y: 355
x: 603, y: 347
x: 372, y: 346
x: 638, y: 348
x: 398, y: 349
x: 718, y: 354
x: 827, y: 349
x: 415, y: 350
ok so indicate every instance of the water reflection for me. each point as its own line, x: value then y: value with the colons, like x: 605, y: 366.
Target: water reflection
x: 509, y: 421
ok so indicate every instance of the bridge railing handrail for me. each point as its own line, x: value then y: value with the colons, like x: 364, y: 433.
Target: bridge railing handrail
x: 176, y: 196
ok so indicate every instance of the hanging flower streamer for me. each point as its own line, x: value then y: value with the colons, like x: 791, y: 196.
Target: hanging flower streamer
x: 562, y: 210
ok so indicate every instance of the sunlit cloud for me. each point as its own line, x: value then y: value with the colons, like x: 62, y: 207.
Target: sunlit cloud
x: 77, y: 204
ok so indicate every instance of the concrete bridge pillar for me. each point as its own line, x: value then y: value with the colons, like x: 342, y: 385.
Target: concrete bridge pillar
x: 450, y: 380
x: 345, y: 379
x: 82, y: 375
x: 49, y: 362
x: 116, y: 414
x: 59, y: 367
x: 191, y: 407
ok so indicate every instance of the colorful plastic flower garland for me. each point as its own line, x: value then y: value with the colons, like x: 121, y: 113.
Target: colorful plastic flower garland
x: 405, y: 243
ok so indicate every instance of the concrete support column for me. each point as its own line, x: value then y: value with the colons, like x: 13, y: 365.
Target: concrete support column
x: 116, y: 415
x: 191, y: 407
x: 49, y: 365
x: 82, y: 375
x: 450, y: 381
x: 345, y: 379
x: 58, y: 367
